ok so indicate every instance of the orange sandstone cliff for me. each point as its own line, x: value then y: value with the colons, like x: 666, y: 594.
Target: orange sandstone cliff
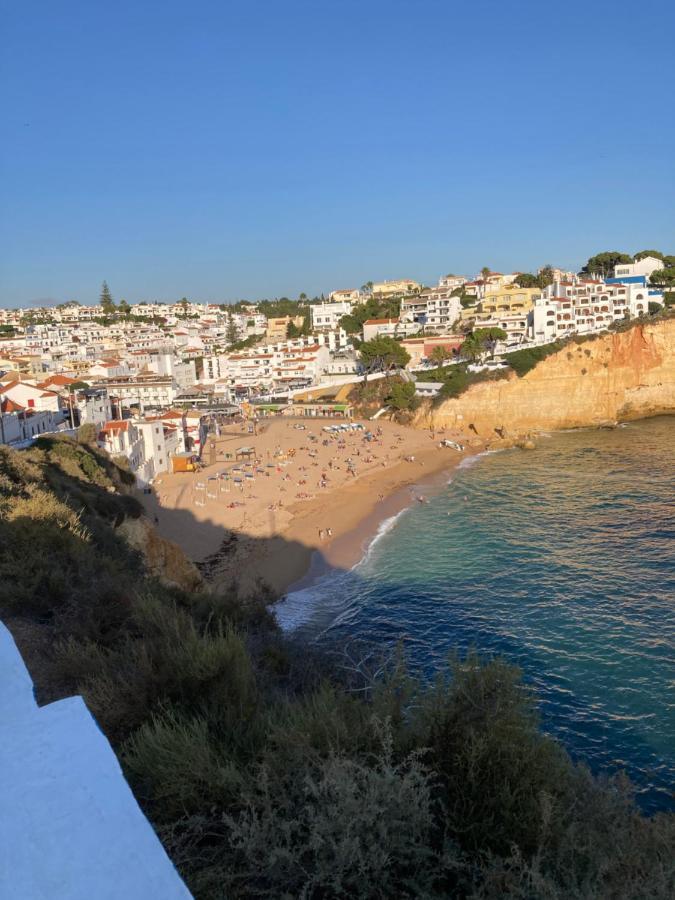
x: 614, y: 377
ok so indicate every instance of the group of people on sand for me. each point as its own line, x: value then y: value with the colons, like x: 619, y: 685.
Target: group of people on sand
x: 325, y: 533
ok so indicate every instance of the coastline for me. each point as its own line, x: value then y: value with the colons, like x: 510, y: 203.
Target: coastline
x: 292, y: 561
x: 271, y: 541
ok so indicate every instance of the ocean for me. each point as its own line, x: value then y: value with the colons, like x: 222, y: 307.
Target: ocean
x: 561, y: 560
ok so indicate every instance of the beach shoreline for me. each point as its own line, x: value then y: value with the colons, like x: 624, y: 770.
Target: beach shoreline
x: 266, y: 542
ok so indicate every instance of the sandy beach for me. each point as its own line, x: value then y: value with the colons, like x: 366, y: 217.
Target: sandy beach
x: 262, y: 517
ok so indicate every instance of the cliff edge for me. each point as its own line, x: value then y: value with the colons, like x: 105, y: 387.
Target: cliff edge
x: 614, y: 377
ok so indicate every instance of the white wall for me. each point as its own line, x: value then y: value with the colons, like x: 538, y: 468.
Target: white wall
x: 70, y: 828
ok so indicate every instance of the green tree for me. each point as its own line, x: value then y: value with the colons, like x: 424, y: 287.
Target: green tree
x: 485, y: 272
x: 231, y: 330
x: 292, y: 330
x: 383, y: 353
x: 402, y: 395
x: 124, y: 308
x: 654, y: 308
x: 482, y: 341
x: 655, y: 253
x: 664, y: 278
x: 527, y: 280
x: 107, y: 303
x: 544, y: 277
x: 603, y: 263
x: 440, y: 355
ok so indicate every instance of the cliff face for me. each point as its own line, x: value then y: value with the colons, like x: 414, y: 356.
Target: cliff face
x: 616, y: 377
x: 163, y: 559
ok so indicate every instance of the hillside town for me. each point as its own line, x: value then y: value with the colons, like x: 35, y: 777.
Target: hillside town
x: 153, y: 379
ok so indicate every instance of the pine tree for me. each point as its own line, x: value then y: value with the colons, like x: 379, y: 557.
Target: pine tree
x: 107, y: 302
x: 231, y: 331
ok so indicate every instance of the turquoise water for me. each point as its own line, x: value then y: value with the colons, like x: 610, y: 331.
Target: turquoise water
x: 561, y: 560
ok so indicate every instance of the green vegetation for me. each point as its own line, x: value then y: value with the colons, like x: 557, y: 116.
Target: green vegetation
x: 602, y: 264
x: 664, y: 278
x: 482, y: 341
x: 383, y: 353
x: 244, y: 344
x: 522, y: 361
x: 541, y: 280
x: 271, y: 771
x: 388, y: 308
x: 402, y: 395
x: 106, y: 300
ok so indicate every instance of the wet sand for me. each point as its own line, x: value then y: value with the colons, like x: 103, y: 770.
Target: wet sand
x: 315, y: 499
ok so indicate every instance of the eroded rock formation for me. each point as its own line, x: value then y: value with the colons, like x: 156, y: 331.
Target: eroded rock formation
x: 614, y: 377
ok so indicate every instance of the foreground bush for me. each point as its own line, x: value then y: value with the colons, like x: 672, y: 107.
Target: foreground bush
x: 270, y: 771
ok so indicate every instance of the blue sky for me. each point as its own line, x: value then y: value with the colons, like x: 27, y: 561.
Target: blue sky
x: 221, y: 149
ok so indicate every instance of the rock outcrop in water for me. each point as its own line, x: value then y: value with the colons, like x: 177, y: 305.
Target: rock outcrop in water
x: 612, y: 378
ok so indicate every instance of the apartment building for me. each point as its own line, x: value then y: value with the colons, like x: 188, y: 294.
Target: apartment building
x: 277, y: 328
x: 148, y: 391
x: 326, y: 316
x: 395, y: 288
x: 346, y: 295
x: 451, y: 282
x: 395, y: 328
x: 587, y: 306
x: 435, y: 309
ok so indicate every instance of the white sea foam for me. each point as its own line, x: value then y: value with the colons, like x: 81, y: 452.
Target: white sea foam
x: 298, y: 607
x: 384, y: 528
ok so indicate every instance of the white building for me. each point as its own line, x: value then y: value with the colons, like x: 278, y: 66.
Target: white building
x: 451, y: 282
x: 643, y: 267
x: 395, y: 328
x: 150, y: 391
x: 19, y: 424
x: 435, y: 309
x: 584, y: 307
x: 326, y: 316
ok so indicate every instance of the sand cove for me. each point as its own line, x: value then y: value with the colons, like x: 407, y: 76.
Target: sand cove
x: 310, y: 495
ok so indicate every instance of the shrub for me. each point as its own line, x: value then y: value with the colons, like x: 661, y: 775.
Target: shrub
x: 340, y: 827
x: 402, y: 395
x: 522, y: 361
x: 495, y: 765
x: 86, y: 433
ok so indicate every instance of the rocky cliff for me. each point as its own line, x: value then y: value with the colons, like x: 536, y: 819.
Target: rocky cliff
x: 163, y: 559
x: 614, y: 377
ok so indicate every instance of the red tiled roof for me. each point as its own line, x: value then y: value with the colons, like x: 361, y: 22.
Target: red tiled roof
x: 9, y: 406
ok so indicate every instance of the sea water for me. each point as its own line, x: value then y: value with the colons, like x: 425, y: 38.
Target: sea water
x: 559, y: 559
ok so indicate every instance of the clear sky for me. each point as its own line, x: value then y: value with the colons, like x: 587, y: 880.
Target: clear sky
x: 220, y: 149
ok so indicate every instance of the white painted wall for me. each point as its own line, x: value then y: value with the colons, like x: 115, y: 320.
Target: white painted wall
x: 70, y: 828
